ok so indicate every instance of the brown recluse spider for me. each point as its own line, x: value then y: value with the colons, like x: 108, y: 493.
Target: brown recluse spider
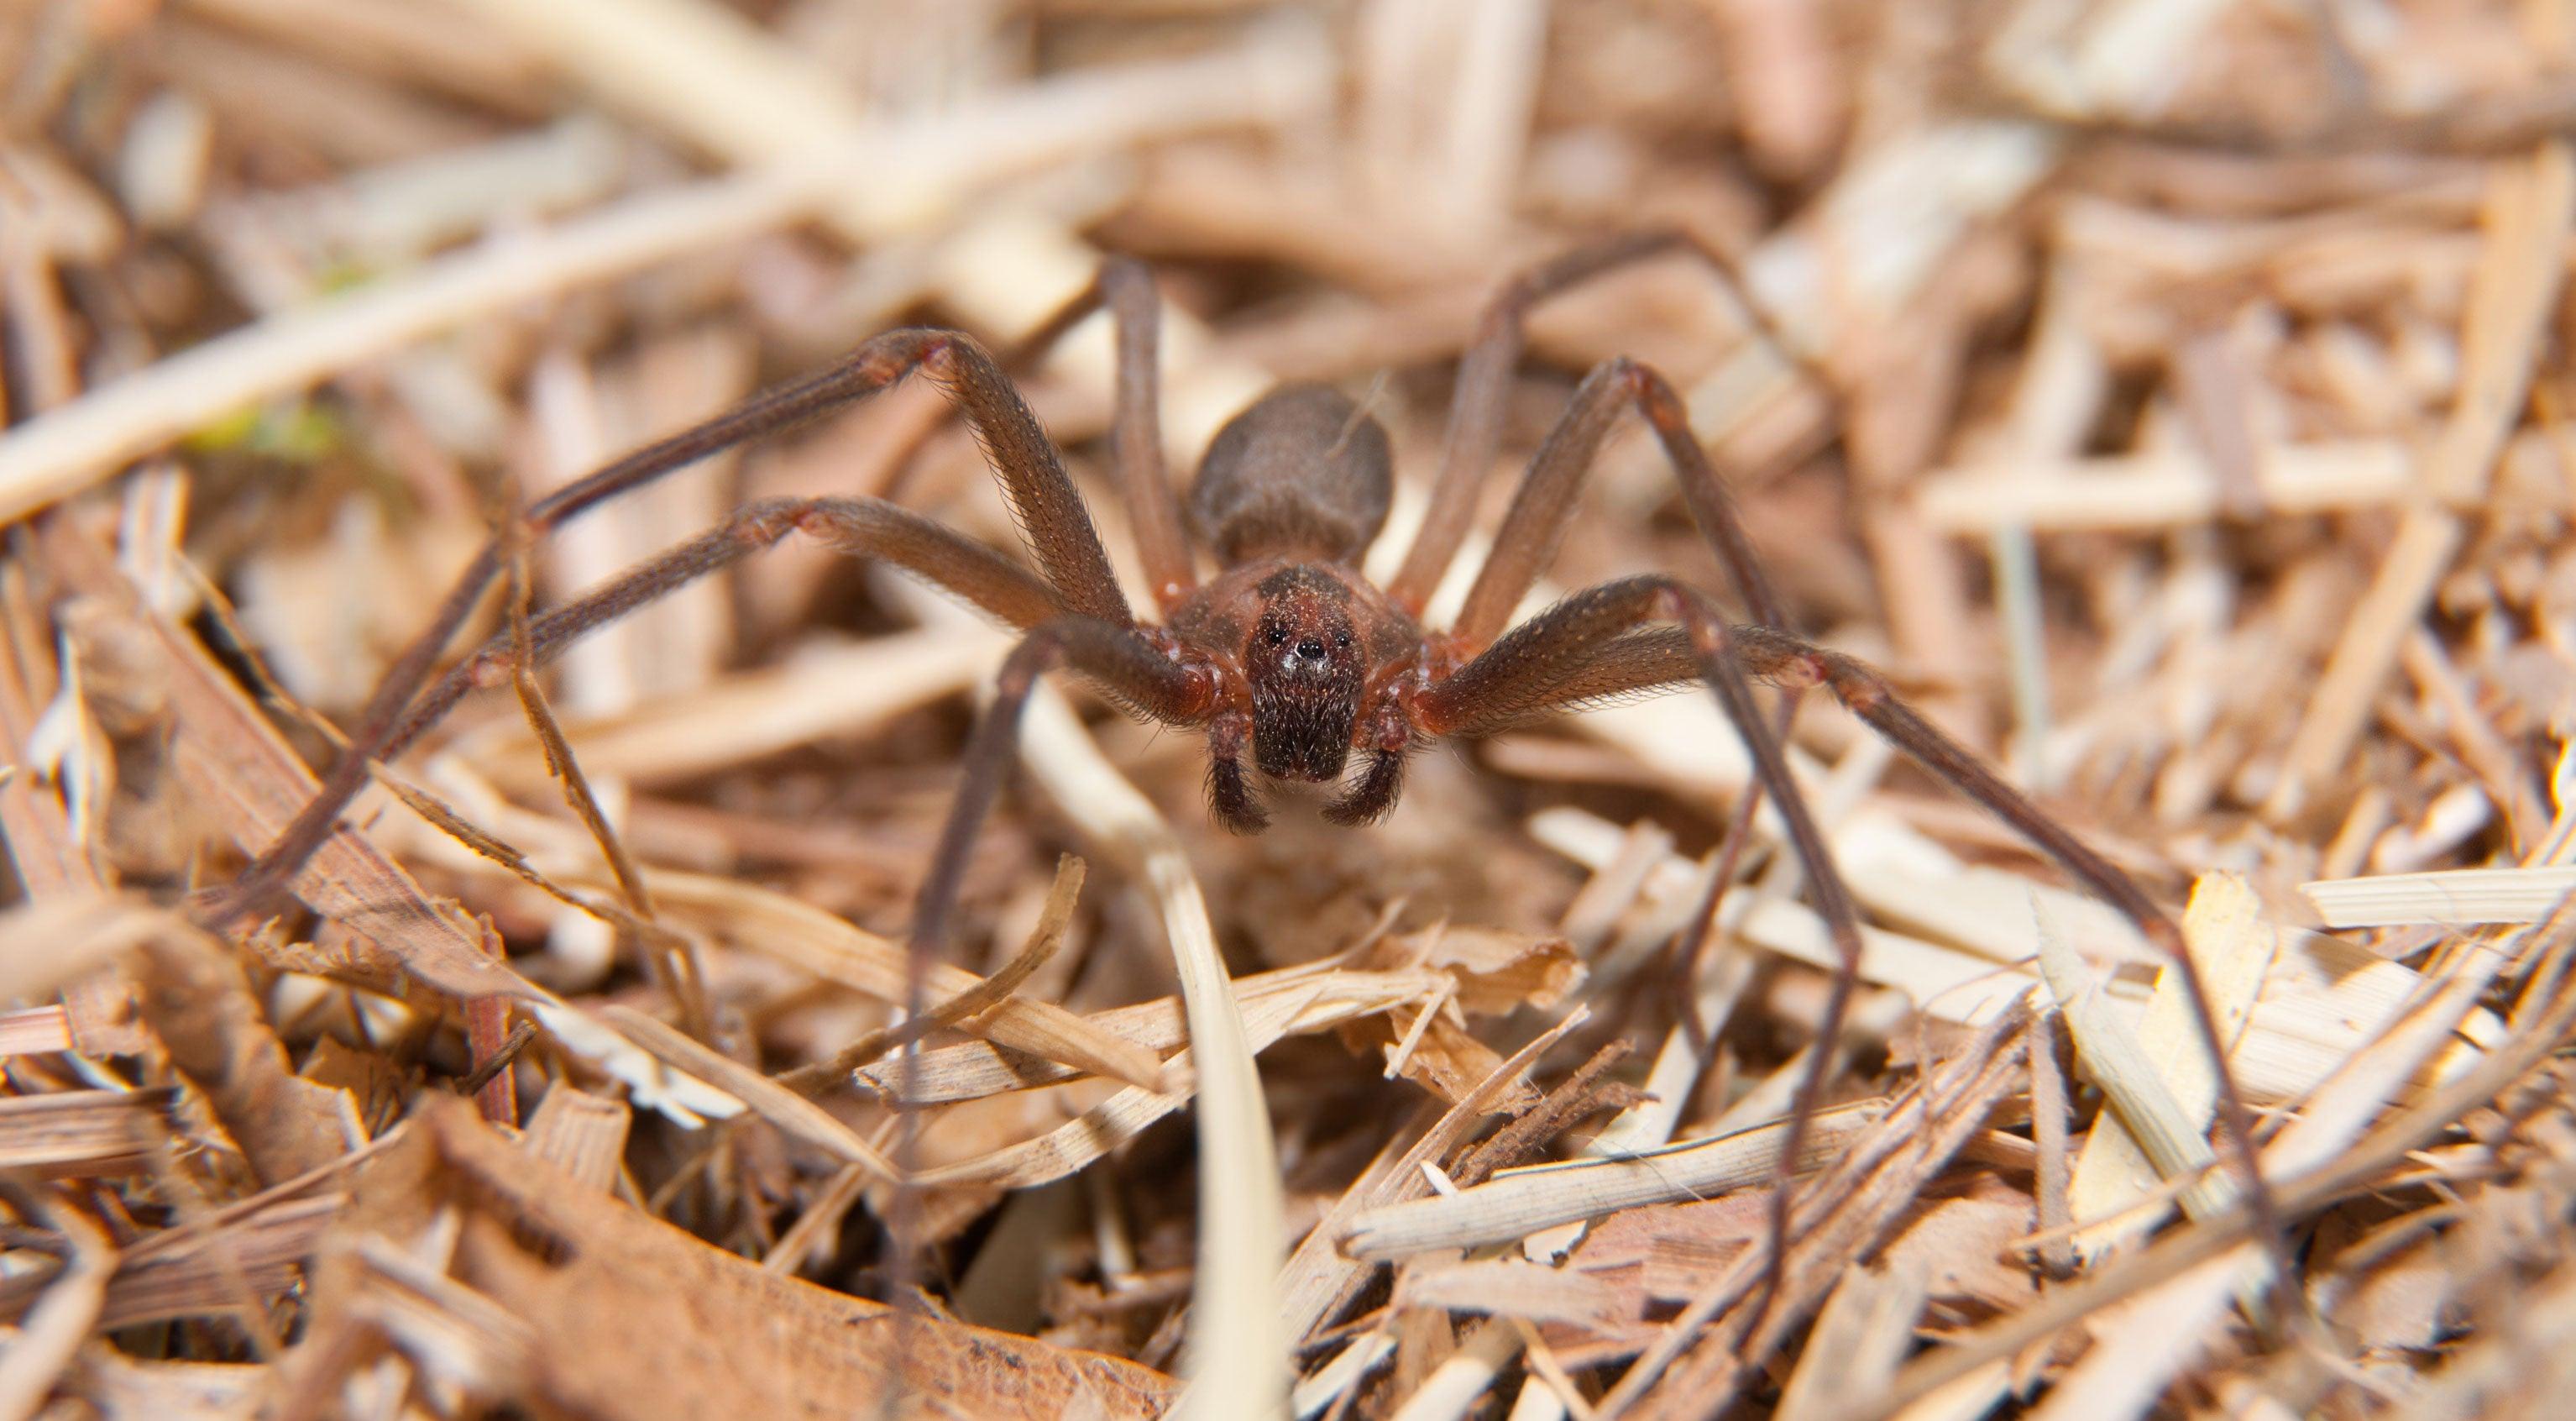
x: 1289, y: 660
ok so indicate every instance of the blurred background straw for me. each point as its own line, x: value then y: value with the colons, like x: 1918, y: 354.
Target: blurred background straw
x: 2175, y: 405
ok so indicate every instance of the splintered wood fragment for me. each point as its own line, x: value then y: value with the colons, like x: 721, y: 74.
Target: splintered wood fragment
x: 2158, y: 1074
x: 81, y: 1131
x: 2456, y: 898
x: 580, y: 1133
x: 2530, y: 210
x: 33, y: 1031
x: 1568, y: 1101
x: 56, y: 864
x: 1507, y: 1287
x: 254, y: 1256
x: 2048, y: 1111
x: 230, y: 757
x: 1864, y: 1331
x: 200, y: 1002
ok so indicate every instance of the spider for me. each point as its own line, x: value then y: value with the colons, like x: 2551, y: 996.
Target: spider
x: 1290, y: 662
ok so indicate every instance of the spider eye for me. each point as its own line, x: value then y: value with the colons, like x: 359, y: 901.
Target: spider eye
x: 1277, y: 636
x: 1342, y: 640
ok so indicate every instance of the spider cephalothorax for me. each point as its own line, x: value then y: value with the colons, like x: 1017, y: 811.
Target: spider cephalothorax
x: 1312, y: 656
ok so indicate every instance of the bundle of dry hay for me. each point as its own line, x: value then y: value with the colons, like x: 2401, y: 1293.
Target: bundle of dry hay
x: 2191, y: 437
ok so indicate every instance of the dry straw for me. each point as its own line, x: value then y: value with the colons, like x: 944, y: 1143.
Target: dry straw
x: 2163, y: 395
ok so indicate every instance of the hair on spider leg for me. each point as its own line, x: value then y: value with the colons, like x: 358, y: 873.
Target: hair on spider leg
x: 1286, y: 657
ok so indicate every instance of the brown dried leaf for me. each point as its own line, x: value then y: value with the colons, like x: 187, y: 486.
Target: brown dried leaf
x: 618, y: 1297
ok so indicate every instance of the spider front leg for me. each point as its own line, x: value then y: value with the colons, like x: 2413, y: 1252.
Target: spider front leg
x: 1572, y: 643
x: 1597, y: 644
x: 1138, y: 667
x: 1041, y: 495
x: 858, y: 527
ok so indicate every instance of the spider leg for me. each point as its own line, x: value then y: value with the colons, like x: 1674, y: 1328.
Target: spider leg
x: 1593, y: 644
x: 1527, y: 542
x: 1042, y: 496
x: 1535, y: 525
x: 858, y: 527
x: 1133, y: 666
x: 1565, y: 655
x: 1484, y: 379
x: 1517, y: 673
x: 1137, y: 669
x: 1125, y: 287
x: 1523, y: 547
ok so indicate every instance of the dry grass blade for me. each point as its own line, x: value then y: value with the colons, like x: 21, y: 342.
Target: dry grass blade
x: 81, y: 1132
x: 795, y: 1116
x: 2461, y: 897
x: 835, y: 951
x: 827, y: 947
x: 1521, y: 1202
x: 61, y: 1320
x: 984, y: 996
x: 2531, y: 209
x: 1299, y: 1000
x: 1238, y: 1360
x: 84, y: 441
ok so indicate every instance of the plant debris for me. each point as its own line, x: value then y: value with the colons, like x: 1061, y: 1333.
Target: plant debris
x: 2172, y: 399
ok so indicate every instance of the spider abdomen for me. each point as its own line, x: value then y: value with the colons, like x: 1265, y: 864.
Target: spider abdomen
x: 1301, y: 474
